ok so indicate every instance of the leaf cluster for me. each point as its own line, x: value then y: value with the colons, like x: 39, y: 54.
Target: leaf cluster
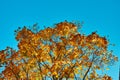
x: 56, y: 53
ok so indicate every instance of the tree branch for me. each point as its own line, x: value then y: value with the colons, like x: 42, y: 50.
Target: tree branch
x: 88, y: 68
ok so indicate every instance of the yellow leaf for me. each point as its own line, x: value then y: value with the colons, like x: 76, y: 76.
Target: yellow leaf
x: 54, y: 73
x: 71, y: 75
x: 80, y: 67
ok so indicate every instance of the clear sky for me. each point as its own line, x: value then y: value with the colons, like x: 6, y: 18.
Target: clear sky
x: 102, y: 16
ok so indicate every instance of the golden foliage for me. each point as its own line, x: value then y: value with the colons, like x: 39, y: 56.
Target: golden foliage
x: 59, y: 52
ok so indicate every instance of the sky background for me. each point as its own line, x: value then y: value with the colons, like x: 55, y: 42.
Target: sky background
x: 102, y: 16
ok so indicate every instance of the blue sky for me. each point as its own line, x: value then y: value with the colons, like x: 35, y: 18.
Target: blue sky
x: 98, y: 15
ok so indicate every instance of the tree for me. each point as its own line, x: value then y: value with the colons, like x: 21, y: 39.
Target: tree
x: 56, y: 53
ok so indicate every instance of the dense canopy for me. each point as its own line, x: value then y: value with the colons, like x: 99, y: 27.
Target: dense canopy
x: 56, y: 53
